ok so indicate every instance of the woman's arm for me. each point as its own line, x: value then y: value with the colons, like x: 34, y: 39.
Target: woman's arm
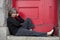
x: 13, y: 22
x: 21, y: 19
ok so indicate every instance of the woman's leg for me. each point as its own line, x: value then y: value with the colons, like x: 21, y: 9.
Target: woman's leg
x: 25, y: 32
x: 27, y: 24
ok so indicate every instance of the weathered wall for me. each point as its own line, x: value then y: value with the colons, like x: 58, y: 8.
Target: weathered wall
x: 4, y: 7
x: 59, y: 11
x: 2, y: 12
x: 59, y: 15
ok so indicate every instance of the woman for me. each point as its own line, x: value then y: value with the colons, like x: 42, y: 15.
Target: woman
x: 20, y: 27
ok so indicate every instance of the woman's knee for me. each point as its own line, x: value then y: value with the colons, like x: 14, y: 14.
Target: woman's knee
x: 28, y: 19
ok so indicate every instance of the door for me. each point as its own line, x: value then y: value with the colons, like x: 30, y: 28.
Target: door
x: 41, y: 12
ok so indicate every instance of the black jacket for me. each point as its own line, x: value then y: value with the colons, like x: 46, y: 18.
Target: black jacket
x: 14, y: 24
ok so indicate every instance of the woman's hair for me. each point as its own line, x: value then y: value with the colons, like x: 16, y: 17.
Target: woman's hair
x: 11, y: 11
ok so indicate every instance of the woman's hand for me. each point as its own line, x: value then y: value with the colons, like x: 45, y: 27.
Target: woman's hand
x: 17, y: 14
x: 21, y: 24
x: 30, y: 29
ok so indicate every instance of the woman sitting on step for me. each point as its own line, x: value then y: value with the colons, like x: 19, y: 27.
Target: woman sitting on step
x: 22, y: 27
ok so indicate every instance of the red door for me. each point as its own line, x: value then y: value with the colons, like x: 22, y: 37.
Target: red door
x: 43, y: 13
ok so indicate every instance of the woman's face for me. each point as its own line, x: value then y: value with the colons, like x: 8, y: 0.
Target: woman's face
x: 14, y: 15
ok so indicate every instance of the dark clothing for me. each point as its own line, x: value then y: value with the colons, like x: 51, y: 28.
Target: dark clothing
x: 14, y: 24
x: 26, y: 32
x: 22, y: 30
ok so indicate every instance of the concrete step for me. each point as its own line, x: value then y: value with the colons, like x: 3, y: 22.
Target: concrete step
x: 31, y: 38
x: 3, y: 33
x: 4, y: 36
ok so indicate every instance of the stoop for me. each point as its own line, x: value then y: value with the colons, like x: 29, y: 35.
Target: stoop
x: 4, y: 35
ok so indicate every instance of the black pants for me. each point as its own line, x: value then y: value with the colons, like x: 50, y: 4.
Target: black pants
x: 24, y: 30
